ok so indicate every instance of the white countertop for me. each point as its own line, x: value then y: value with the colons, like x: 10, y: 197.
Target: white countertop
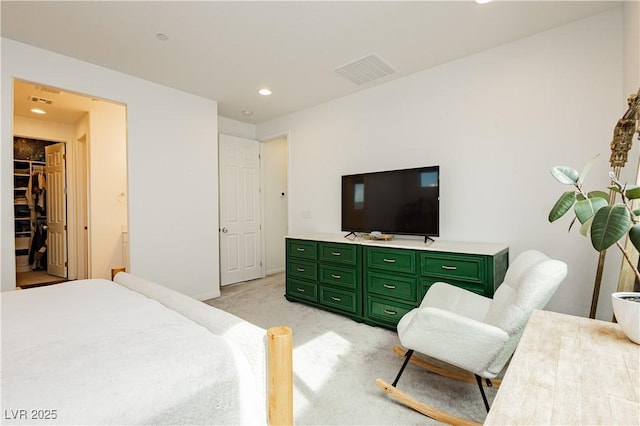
x: 488, y: 249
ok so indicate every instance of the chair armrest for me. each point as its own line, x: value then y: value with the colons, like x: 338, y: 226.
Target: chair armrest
x: 455, y: 299
x: 466, y: 343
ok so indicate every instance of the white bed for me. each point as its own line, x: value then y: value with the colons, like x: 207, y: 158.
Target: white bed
x: 97, y: 352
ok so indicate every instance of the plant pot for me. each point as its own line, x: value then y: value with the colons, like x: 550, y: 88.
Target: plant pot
x: 627, y: 313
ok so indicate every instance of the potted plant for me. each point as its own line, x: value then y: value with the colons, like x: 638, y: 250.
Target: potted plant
x: 605, y: 222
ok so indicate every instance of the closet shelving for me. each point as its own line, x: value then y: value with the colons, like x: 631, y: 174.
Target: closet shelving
x: 24, y: 217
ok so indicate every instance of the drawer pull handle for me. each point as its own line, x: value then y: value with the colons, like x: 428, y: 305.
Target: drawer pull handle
x: 337, y: 277
x: 299, y: 249
x: 449, y: 268
x: 300, y: 269
x: 301, y: 290
x: 388, y: 312
x: 389, y: 260
x: 390, y: 286
x: 336, y: 299
x: 336, y: 253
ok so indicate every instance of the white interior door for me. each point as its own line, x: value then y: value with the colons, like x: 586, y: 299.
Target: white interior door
x: 56, y: 210
x: 240, y: 236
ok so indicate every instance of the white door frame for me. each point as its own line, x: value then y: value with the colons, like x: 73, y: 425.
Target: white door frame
x: 286, y: 134
x: 82, y: 230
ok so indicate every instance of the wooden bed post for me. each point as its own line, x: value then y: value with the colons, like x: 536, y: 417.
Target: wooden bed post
x: 280, y: 375
x: 114, y: 271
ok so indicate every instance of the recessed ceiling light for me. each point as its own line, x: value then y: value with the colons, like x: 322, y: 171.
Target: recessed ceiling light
x: 162, y: 37
x: 483, y: 1
x: 38, y: 111
x: 264, y: 91
x: 247, y: 112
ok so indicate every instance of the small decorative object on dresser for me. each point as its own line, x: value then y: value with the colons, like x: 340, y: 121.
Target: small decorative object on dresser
x: 626, y: 308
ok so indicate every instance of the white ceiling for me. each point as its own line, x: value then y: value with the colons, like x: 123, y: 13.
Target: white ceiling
x: 65, y: 107
x: 226, y: 51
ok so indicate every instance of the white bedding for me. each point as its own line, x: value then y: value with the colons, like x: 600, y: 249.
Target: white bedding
x: 95, y: 352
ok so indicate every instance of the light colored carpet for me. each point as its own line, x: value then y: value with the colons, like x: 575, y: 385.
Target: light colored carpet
x: 336, y: 361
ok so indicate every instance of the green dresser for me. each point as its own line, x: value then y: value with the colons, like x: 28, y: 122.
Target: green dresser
x: 379, y: 282
x: 391, y: 288
x: 325, y: 274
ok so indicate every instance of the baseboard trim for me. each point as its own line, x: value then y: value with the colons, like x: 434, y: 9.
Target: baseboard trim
x: 275, y: 271
x: 208, y: 295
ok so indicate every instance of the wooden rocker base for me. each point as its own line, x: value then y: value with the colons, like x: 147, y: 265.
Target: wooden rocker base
x: 423, y: 408
x: 442, y: 371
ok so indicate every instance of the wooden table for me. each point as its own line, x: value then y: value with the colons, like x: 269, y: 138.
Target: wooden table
x: 570, y: 370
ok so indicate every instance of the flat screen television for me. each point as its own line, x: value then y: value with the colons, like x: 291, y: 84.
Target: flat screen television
x: 405, y: 202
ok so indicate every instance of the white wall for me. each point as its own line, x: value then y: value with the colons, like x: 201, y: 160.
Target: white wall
x: 107, y: 186
x: 227, y: 126
x: 631, y: 45
x: 495, y: 122
x: 275, y: 199
x: 172, y: 151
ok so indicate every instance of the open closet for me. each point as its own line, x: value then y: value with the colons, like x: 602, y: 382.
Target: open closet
x: 30, y: 193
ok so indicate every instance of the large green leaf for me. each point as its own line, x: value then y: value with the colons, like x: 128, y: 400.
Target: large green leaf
x: 585, y: 209
x: 634, y: 236
x: 632, y: 192
x: 610, y: 224
x: 565, y: 174
x: 563, y: 205
x: 586, y: 169
x: 600, y: 194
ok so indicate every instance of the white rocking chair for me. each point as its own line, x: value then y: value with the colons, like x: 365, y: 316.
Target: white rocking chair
x: 472, y: 332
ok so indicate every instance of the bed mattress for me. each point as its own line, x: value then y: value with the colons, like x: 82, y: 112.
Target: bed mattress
x: 95, y: 352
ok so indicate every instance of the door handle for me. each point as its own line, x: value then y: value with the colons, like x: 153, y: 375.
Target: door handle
x: 224, y: 230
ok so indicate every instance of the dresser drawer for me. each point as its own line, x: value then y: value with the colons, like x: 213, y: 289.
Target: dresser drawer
x: 302, y: 290
x: 454, y: 266
x: 386, y: 311
x: 396, y: 260
x: 339, y: 253
x: 340, y: 276
x: 393, y: 286
x: 479, y: 288
x: 302, y: 269
x: 302, y: 249
x: 340, y: 299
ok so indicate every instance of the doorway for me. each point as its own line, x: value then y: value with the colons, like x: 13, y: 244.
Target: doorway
x: 82, y: 126
x: 240, y: 213
x: 254, y: 205
x: 275, y: 200
x: 40, y: 254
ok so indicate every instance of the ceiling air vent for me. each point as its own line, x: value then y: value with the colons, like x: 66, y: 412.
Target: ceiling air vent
x: 365, y: 69
x: 49, y: 90
x: 40, y: 100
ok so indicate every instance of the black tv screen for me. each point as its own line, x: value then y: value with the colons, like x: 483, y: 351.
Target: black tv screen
x: 393, y: 202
